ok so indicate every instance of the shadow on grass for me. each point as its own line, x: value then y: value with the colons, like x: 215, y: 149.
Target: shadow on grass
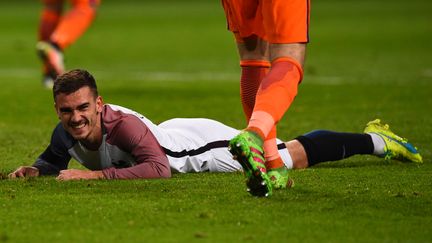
x: 3, y: 175
x: 357, y: 164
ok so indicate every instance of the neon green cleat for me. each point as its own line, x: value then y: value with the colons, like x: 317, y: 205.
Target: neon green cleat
x: 279, y: 178
x: 247, y: 149
x: 396, y: 147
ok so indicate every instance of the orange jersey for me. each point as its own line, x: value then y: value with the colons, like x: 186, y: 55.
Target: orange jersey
x: 276, y: 21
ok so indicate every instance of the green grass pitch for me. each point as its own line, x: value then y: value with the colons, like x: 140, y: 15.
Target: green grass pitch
x: 167, y: 59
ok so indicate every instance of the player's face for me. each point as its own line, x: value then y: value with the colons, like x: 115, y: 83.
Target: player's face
x: 79, y: 113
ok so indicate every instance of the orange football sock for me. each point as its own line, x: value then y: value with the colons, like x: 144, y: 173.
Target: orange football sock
x: 74, y: 23
x: 271, y: 152
x: 261, y: 123
x: 274, y: 164
x: 253, y: 71
x: 48, y: 22
x: 276, y: 93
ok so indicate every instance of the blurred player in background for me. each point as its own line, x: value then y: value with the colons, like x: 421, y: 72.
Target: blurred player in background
x: 58, y: 30
x: 117, y: 143
x: 271, y: 39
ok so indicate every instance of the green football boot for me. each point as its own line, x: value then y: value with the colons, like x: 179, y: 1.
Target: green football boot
x: 279, y: 178
x: 396, y: 147
x: 247, y: 149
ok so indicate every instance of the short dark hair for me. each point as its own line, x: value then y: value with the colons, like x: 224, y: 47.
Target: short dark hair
x: 74, y: 80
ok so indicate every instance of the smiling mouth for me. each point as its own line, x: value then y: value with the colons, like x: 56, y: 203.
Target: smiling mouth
x: 77, y: 126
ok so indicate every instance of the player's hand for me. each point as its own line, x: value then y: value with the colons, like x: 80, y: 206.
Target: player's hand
x: 24, y: 171
x: 74, y: 174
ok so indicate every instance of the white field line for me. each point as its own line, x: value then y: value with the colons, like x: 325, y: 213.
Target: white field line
x: 427, y: 73
x: 177, y: 76
x: 133, y: 75
x: 28, y: 73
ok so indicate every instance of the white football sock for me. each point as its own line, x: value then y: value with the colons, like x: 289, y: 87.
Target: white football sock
x: 379, y: 144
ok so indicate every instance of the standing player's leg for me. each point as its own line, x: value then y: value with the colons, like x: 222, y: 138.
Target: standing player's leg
x: 242, y: 17
x: 275, y: 95
x: 67, y: 30
x: 254, y: 55
x: 49, y: 19
x: 254, y: 65
x: 286, y: 29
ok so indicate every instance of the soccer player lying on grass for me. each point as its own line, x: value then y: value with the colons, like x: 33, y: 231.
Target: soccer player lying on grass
x: 114, y: 142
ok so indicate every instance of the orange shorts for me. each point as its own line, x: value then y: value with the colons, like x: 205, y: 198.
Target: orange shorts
x: 276, y: 21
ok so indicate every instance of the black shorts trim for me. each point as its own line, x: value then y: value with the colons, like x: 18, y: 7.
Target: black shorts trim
x: 200, y: 150
x: 205, y: 148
